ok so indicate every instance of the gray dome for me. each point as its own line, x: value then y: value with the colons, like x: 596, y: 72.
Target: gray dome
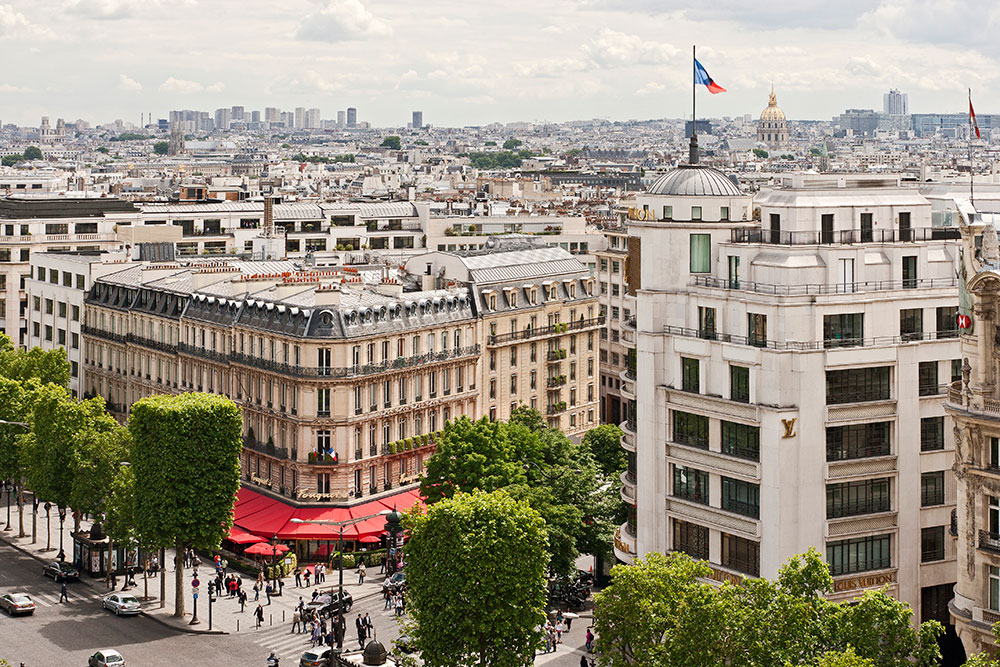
x: 694, y: 180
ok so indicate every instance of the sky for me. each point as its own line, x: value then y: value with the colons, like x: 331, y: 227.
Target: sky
x: 471, y: 62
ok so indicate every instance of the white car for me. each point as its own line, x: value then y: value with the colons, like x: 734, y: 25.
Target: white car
x: 106, y: 657
x: 122, y: 603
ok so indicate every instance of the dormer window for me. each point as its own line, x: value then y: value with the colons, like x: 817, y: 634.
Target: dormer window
x: 572, y: 291
x: 512, y: 298
x: 493, y: 301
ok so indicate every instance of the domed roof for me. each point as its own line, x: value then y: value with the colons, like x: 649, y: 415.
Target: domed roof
x: 374, y: 653
x: 694, y: 180
x: 772, y: 112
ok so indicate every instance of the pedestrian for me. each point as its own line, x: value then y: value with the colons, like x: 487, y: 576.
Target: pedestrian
x: 590, y: 641
x: 368, y: 625
x: 281, y: 586
x: 296, y: 621
x: 298, y: 578
x: 315, y: 595
x: 256, y: 591
x: 362, y: 632
x: 583, y: 661
x: 268, y: 591
x: 381, y: 569
x: 259, y: 615
x: 301, y: 605
x: 321, y: 573
x: 399, y: 605
x: 306, y: 575
x: 361, y: 573
x: 243, y: 601
x: 569, y: 622
x: 62, y: 593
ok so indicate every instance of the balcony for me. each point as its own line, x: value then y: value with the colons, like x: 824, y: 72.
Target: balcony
x: 819, y: 289
x: 555, y: 329
x: 87, y: 330
x: 628, y: 441
x: 989, y: 541
x: 265, y: 448
x: 323, y: 459
x: 556, y: 408
x: 624, y: 544
x: 842, y: 237
x: 334, y: 373
x: 556, y: 381
x: 555, y: 355
x: 808, y: 345
x: 971, y: 402
x: 953, y: 528
x: 151, y: 344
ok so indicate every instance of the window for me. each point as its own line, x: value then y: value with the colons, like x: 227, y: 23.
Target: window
x: 691, y: 484
x: 853, y: 498
x: 741, y: 497
x: 867, y: 234
x: 696, y: 212
x: 701, y: 253
x: 706, y: 322
x: 724, y: 213
x: 947, y: 322
x: 757, y: 329
x: 741, y: 440
x: 857, y: 441
x: 994, y: 600
x: 911, y: 324
x: 862, y: 554
x: 928, y: 383
x: 323, y: 402
x: 856, y: 385
x: 931, y: 544
x: 690, y: 429
x: 739, y: 384
x: 909, y: 271
x: 690, y: 372
x: 932, y: 488
x: 691, y: 538
x: 932, y: 434
x: 843, y: 330
x: 826, y: 228
x: 668, y: 212
x: 775, y: 230
x: 741, y: 554
x: 956, y: 370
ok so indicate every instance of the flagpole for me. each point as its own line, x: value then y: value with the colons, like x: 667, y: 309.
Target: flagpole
x: 694, y: 77
x: 972, y: 198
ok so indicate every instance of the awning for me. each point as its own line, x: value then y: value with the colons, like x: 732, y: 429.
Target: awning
x: 259, y: 515
x: 239, y: 536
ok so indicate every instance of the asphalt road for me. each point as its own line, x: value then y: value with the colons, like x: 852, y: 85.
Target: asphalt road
x: 68, y: 633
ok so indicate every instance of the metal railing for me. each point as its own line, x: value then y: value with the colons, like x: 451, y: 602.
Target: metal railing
x: 265, y: 448
x: 842, y: 237
x: 744, y: 565
x: 953, y: 528
x: 878, y: 341
x: 564, y: 327
x: 989, y: 541
x: 838, y: 510
x: 88, y: 330
x: 813, y: 289
x: 151, y: 344
x: 743, y: 507
x: 354, y: 371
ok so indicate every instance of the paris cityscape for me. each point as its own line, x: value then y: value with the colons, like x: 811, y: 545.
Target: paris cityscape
x: 347, y: 332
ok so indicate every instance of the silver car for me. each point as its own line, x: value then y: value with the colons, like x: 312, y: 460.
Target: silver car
x: 121, y: 603
x: 107, y: 657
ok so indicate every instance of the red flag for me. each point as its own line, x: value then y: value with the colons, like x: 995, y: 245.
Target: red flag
x: 972, y: 117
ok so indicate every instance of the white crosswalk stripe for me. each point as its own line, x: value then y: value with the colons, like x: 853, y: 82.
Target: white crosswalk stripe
x: 286, y: 645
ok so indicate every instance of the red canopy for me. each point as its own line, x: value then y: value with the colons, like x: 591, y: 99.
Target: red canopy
x: 242, y: 537
x: 265, y: 549
x: 370, y: 539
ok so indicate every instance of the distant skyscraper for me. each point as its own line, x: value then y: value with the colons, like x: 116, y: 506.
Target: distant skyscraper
x: 272, y: 115
x: 237, y: 114
x: 341, y: 118
x: 352, y: 117
x: 895, y: 103
x: 418, y: 119
x: 222, y: 119
x: 312, y: 119
x: 300, y: 117
x: 288, y: 119
x: 254, y: 116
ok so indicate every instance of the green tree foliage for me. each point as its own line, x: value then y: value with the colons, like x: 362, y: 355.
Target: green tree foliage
x: 161, y: 147
x: 604, y: 444
x: 760, y: 152
x: 102, y: 149
x: 392, y: 141
x: 490, y: 143
x: 498, y: 160
x: 98, y: 449
x: 11, y: 160
x: 32, y: 153
x: 470, y: 455
x: 129, y: 136
x: 660, y: 612
x: 119, y: 514
x: 44, y: 365
x: 322, y: 159
x: 846, y: 658
x: 476, y: 581
x: 511, y: 144
x: 186, y: 460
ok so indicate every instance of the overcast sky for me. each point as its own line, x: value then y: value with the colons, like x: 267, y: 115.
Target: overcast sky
x: 472, y: 62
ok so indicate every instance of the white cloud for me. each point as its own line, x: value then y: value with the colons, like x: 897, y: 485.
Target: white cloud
x: 216, y: 87
x: 651, y: 88
x: 181, y: 86
x: 104, y: 10
x: 342, y: 20
x: 126, y: 83
x: 10, y: 20
x: 615, y: 49
x: 7, y: 88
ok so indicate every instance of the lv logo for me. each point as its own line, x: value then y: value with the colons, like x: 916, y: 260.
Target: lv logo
x: 789, y: 425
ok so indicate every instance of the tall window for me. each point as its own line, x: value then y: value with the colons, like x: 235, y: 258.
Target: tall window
x: 757, y: 329
x: 323, y: 402
x: 741, y: 440
x: 826, y: 228
x: 775, y: 228
x: 324, y: 357
x: 739, y: 384
x: 994, y: 600
x: 741, y: 497
x: 706, y: 322
x: 690, y: 375
x: 691, y: 429
x: 865, y: 496
x: 931, y: 544
x: 947, y: 324
x: 862, y: 554
x: 856, y: 385
x: 843, y: 329
x: 741, y: 554
x: 932, y: 434
x: 867, y: 233
x: 701, y: 253
x: 857, y: 441
x: 691, y: 538
x: 911, y: 324
x: 691, y: 484
x: 932, y: 488
x: 909, y: 271
x: 928, y: 383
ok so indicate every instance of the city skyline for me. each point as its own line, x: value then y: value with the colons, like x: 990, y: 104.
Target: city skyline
x: 564, y: 61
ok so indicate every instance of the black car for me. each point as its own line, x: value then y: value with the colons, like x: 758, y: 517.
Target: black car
x: 328, y: 604
x: 61, y: 571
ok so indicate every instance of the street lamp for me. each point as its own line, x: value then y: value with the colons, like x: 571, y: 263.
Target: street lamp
x: 194, y: 596
x: 9, y: 488
x: 62, y: 518
x: 339, y: 633
x: 48, y: 527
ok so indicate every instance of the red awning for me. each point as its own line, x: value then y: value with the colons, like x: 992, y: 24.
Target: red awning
x: 265, y: 549
x: 242, y: 537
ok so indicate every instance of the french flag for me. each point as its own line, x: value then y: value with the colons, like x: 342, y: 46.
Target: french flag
x: 701, y: 76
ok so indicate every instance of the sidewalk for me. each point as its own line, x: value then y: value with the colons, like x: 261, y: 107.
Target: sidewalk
x: 226, y: 615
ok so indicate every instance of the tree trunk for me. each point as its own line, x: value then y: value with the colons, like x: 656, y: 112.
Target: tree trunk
x: 178, y: 579
x: 111, y: 548
x: 163, y: 581
x: 20, y: 511
x: 34, y: 518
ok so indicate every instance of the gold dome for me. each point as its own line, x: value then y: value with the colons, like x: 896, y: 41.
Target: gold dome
x: 772, y: 112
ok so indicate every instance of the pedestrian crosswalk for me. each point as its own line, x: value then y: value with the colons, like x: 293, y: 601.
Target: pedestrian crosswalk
x: 279, y: 638
x: 75, y: 596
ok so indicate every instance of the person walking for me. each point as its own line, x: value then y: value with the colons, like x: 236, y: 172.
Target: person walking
x: 298, y: 578
x: 590, y: 641
x: 583, y: 661
x: 382, y: 560
x: 256, y: 591
x: 368, y: 625
x: 362, y: 633
x: 268, y: 590
x: 243, y: 600
x: 259, y: 615
x: 62, y: 593
x: 296, y: 621
x: 306, y: 575
x: 361, y: 573
x: 321, y: 573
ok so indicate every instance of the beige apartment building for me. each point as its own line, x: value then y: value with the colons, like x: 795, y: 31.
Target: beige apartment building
x: 619, y: 307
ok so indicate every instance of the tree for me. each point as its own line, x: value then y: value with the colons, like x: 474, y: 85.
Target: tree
x: 186, y: 461
x: 511, y: 144
x: 659, y: 611
x: 605, y: 445
x: 98, y: 449
x: 760, y: 152
x: 11, y: 160
x: 470, y: 455
x: 32, y: 153
x: 392, y: 141
x: 476, y: 580
x: 47, y: 366
x: 161, y: 147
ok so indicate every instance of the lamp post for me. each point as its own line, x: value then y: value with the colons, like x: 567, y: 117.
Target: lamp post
x: 339, y: 630
x: 48, y: 527
x: 194, y: 597
x: 10, y: 491
x: 274, y: 565
x: 62, y: 518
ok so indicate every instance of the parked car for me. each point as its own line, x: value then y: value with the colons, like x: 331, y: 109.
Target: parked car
x: 122, y: 603
x: 328, y: 604
x: 106, y: 657
x: 316, y: 657
x: 61, y: 571
x: 395, y: 583
x: 17, y: 603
